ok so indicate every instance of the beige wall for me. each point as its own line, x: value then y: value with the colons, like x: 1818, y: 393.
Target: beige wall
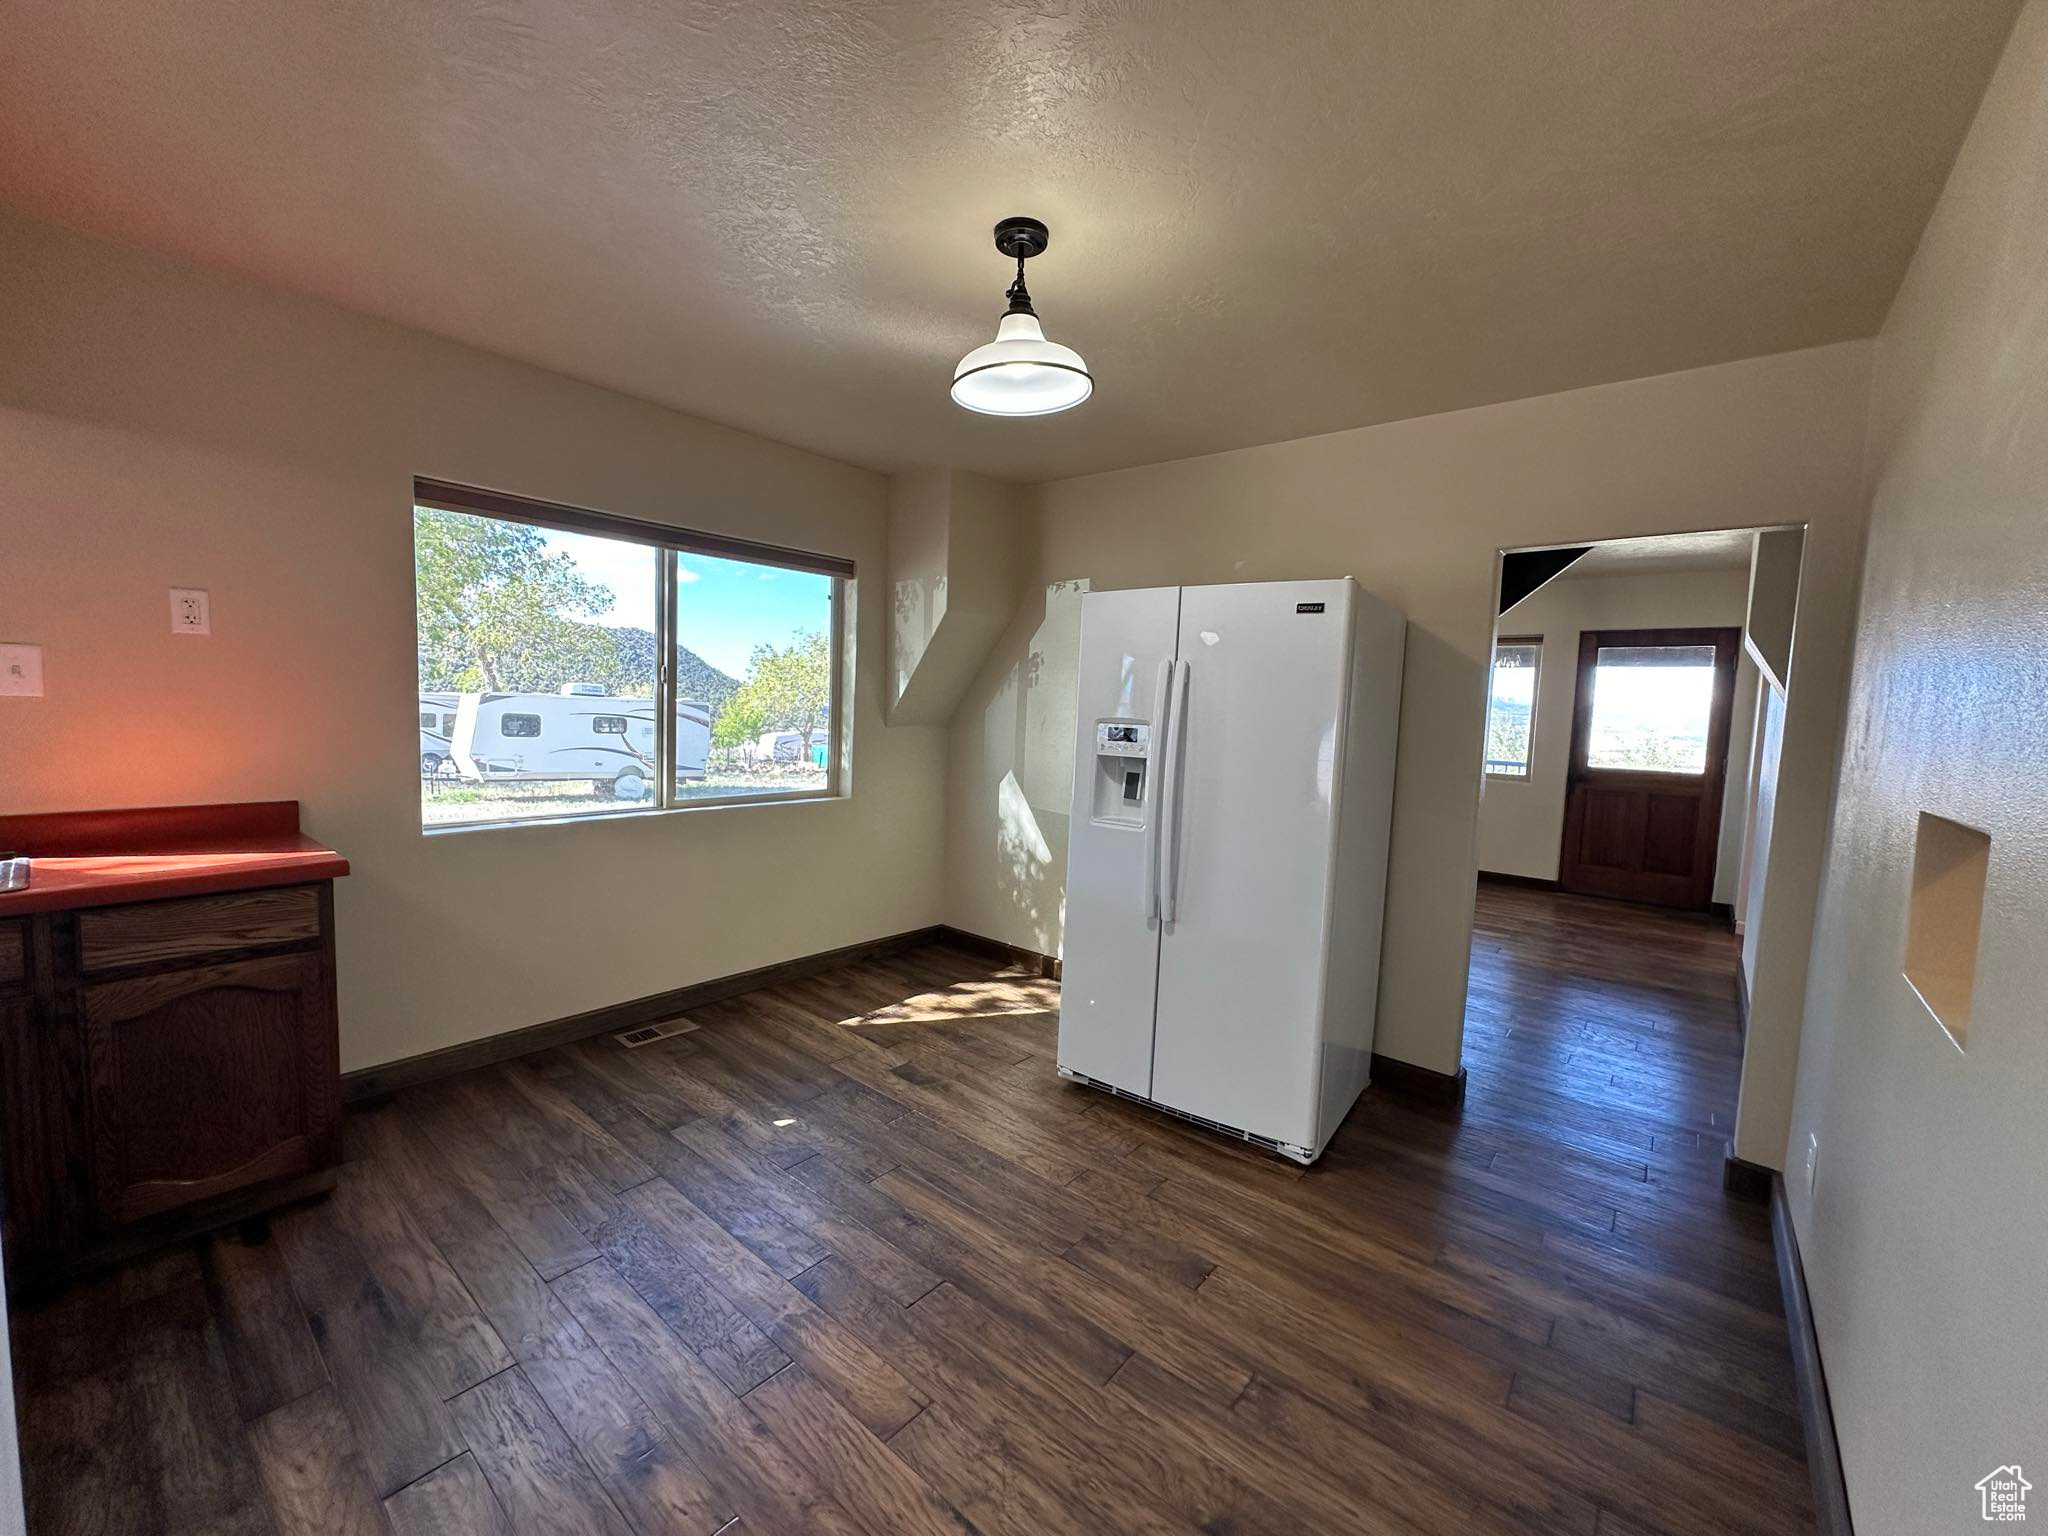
x: 1769, y: 746
x: 1924, y: 1239
x: 1521, y: 821
x: 1417, y: 511
x: 1774, y: 600
x: 919, y: 502
x: 160, y: 426
x: 955, y: 559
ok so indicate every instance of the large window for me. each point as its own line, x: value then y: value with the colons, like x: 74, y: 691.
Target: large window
x: 542, y: 690
x: 1511, y: 707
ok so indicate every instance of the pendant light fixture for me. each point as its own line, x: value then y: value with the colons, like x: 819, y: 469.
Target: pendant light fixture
x: 1020, y: 373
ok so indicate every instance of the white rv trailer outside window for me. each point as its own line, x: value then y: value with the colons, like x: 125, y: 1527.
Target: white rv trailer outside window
x: 542, y: 693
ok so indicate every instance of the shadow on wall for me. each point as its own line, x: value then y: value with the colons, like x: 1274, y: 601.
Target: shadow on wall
x: 920, y: 604
x: 1026, y: 767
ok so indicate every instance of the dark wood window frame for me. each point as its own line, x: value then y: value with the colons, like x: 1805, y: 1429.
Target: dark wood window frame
x: 667, y: 541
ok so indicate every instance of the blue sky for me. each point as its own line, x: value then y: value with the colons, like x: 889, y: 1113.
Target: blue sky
x: 724, y: 607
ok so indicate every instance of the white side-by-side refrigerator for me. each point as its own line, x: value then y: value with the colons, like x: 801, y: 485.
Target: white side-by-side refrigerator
x: 1227, y: 852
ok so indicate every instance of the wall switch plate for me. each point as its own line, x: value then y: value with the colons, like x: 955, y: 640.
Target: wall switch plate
x: 21, y: 671
x: 1812, y: 1160
x: 190, y: 614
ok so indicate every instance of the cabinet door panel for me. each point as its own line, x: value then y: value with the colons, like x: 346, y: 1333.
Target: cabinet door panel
x: 202, y: 1081
x: 31, y: 1118
x: 13, y: 953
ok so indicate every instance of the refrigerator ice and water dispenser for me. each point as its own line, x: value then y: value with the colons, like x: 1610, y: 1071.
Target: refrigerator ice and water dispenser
x: 1123, y: 771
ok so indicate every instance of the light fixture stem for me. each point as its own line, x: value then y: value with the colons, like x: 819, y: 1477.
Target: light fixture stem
x: 1019, y: 296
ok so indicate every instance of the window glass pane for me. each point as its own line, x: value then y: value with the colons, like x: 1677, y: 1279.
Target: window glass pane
x: 1651, y: 708
x: 1511, y: 709
x: 526, y: 634
x: 754, y: 676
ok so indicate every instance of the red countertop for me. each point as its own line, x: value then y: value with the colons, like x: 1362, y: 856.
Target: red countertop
x: 101, y: 858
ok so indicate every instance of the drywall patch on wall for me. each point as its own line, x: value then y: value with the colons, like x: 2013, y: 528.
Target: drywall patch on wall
x: 1944, y: 918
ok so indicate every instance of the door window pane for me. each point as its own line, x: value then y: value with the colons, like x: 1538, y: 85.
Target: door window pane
x: 1651, y: 708
x: 529, y: 633
x: 754, y: 669
x: 1511, y: 708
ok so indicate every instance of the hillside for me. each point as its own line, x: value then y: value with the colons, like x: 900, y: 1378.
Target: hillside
x: 697, y: 681
x: 621, y: 660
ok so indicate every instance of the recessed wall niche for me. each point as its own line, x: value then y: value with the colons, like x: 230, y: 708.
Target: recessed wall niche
x: 1950, y: 862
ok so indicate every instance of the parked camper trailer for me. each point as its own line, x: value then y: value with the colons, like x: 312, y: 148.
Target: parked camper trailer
x: 580, y: 733
x: 437, y: 726
x: 797, y: 746
x: 792, y: 747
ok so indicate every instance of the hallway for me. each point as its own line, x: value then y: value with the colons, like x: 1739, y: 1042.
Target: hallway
x: 1604, y: 1058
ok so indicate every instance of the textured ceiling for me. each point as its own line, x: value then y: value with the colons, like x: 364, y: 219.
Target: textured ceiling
x: 1665, y: 552
x: 1268, y: 220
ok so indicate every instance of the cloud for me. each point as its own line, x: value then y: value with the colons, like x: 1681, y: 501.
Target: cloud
x: 685, y: 575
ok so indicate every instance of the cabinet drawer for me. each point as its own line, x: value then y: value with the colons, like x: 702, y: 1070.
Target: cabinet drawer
x: 155, y: 931
x: 13, y: 953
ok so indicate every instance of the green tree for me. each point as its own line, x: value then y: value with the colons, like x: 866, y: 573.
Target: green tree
x: 788, y: 688
x: 738, y: 723
x: 499, y: 611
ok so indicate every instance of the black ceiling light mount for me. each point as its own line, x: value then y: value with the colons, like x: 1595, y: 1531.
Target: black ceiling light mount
x: 1020, y: 239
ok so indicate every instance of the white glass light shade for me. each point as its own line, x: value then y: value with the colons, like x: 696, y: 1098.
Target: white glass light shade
x: 1020, y: 373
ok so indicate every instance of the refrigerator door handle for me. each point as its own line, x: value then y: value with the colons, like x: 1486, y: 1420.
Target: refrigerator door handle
x: 1170, y: 804
x: 1162, y: 693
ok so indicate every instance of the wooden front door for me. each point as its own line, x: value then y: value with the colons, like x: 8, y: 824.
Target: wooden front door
x: 1649, y: 759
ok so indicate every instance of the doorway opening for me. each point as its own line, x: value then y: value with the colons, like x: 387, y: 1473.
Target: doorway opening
x: 1634, y: 691
x: 1635, y: 699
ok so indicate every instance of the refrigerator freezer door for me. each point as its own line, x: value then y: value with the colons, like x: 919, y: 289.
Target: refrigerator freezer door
x: 1111, y: 959
x: 1254, y: 814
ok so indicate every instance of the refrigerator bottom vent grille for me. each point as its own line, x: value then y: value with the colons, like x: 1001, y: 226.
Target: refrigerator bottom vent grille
x: 1238, y: 1133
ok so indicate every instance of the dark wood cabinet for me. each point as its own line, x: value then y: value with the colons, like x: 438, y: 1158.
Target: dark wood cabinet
x: 252, y: 1034
x: 164, y: 1066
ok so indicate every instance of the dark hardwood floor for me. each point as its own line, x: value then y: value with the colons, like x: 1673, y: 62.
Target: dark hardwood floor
x: 850, y: 1258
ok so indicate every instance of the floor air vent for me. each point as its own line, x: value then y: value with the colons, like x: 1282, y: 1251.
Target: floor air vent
x: 647, y: 1034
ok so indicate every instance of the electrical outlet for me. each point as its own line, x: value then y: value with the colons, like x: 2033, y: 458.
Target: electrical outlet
x: 21, y: 671
x: 190, y: 614
x: 1812, y: 1160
